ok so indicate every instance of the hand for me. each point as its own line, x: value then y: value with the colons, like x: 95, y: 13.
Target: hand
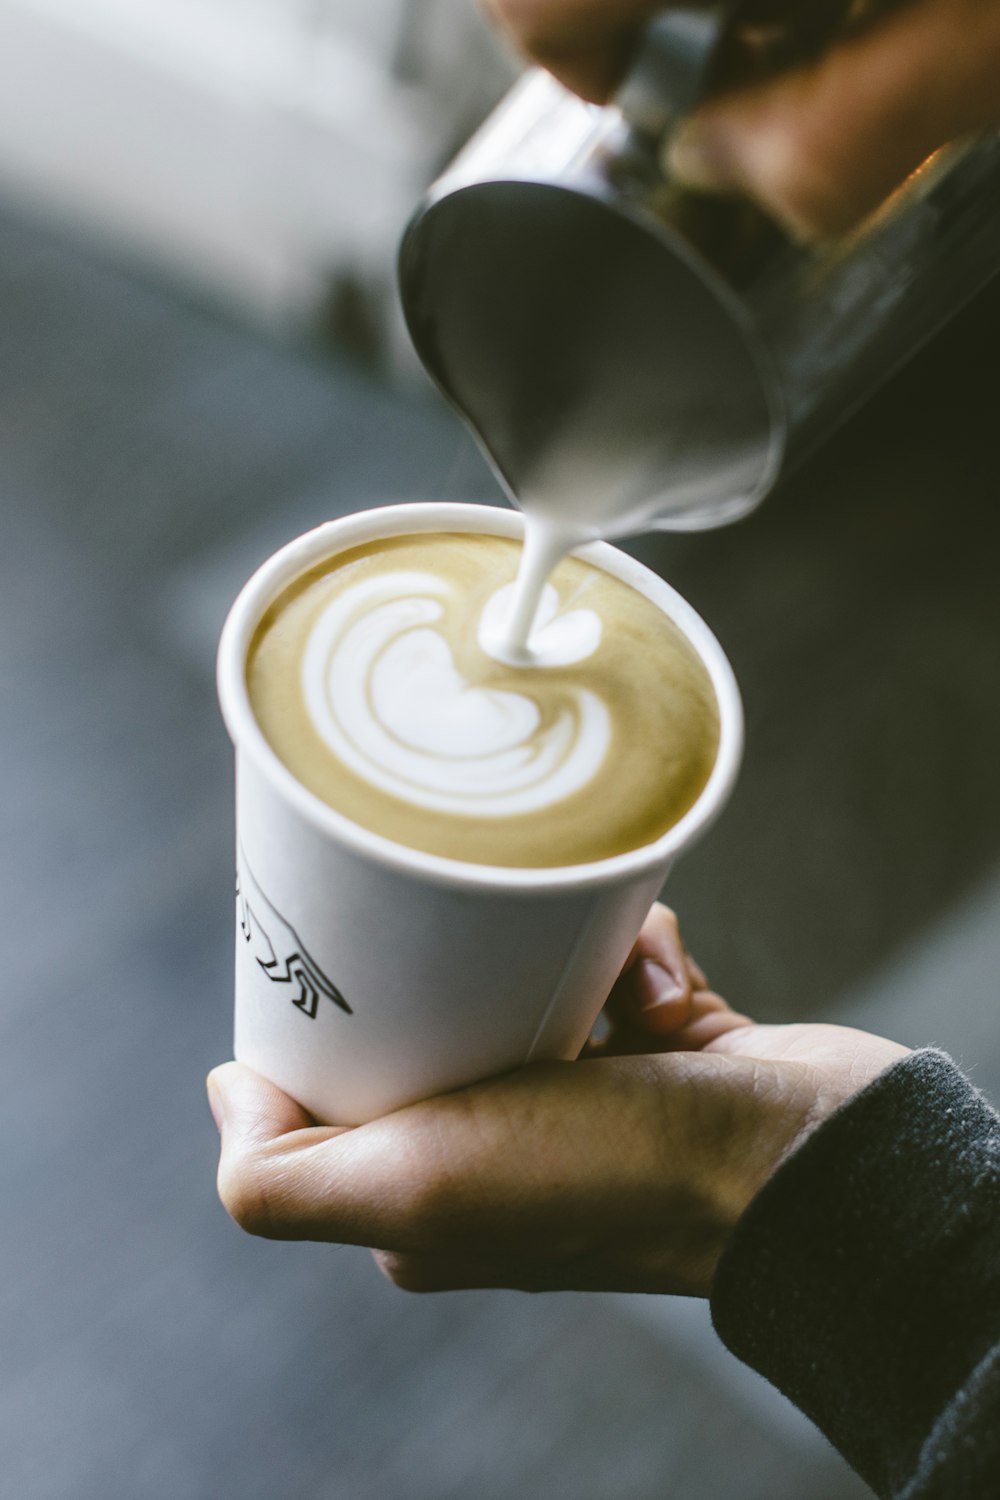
x: 820, y: 146
x: 618, y: 1172
x: 661, y: 1001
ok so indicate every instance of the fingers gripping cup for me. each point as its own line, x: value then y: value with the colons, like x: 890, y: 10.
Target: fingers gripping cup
x: 444, y: 857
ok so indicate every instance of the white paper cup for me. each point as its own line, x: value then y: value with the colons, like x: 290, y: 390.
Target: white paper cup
x: 370, y: 975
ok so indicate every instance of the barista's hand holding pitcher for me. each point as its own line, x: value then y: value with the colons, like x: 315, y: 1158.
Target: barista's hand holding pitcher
x: 820, y: 146
x: 618, y: 1173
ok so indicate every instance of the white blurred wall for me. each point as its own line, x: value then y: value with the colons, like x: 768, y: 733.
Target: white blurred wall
x: 264, y: 150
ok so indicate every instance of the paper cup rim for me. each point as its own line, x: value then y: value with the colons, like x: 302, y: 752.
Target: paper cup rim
x: 330, y: 538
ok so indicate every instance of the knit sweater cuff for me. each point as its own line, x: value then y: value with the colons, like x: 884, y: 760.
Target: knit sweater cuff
x: 864, y: 1279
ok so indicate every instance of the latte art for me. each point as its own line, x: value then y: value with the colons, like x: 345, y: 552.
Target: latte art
x: 380, y: 679
x: 556, y: 640
x: 384, y: 693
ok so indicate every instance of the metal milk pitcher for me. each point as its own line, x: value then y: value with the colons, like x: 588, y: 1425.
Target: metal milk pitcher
x: 634, y: 355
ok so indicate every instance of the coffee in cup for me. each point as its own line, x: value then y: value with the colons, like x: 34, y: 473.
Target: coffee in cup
x: 379, y: 679
x: 372, y: 971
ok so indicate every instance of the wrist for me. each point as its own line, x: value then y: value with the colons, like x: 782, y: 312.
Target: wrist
x: 752, y: 1113
x: 876, y: 1244
x: 745, y: 1116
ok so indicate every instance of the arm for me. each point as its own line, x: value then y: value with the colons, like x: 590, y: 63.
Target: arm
x: 864, y: 1281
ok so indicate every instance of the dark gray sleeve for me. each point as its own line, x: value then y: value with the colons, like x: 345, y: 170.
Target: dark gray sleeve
x: 864, y: 1282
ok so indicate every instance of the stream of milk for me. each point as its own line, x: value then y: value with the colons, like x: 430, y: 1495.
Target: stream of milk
x: 510, y: 636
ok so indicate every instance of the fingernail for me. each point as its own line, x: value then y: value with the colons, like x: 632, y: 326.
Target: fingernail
x: 698, y: 156
x: 657, y: 986
x: 215, y: 1102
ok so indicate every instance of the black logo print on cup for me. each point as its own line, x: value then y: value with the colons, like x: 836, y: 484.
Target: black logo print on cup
x: 278, y: 949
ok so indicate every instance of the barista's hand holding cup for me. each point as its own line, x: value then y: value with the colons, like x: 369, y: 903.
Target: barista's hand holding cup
x: 444, y: 858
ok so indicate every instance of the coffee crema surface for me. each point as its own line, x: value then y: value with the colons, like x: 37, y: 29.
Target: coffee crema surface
x: 378, y: 679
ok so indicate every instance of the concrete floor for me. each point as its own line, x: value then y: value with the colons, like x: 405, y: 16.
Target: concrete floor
x: 150, y: 455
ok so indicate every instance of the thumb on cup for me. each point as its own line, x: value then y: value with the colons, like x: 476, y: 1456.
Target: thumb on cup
x: 658, y: 980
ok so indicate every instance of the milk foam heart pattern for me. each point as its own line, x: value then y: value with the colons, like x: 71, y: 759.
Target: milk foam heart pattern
x: 385, y: 696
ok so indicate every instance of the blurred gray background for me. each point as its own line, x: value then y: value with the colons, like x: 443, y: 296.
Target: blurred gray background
x: 201, y: 358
